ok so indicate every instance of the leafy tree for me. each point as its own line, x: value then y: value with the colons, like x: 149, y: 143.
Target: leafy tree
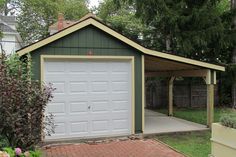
x: 122, y: 19
x: 73, y: 9
x: 9, y: 6
x: 35, y: 18
x: 195, y: 29
x: 37, y: 15
x: 233, y: 7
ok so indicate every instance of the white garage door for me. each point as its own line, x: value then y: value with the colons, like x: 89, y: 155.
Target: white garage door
x: 92, y: 98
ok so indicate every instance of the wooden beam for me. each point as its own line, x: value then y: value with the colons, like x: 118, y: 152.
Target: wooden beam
x: 170, y: 95
x: 179, y: 73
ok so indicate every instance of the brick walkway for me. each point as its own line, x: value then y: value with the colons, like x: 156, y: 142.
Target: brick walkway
x: 129, y: 148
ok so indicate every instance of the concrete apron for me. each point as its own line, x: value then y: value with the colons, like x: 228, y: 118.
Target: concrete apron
x: 158, y: 123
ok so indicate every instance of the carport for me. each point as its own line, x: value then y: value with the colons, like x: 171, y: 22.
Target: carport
x: 170, y: 66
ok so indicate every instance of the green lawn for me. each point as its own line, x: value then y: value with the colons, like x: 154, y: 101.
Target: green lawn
x: 197, y: 115
x: 195, y: 144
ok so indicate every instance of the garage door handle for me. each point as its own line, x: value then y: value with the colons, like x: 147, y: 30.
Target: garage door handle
x: 89, y: 107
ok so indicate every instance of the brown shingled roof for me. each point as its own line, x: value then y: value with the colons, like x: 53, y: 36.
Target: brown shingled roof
x: 66, y: 23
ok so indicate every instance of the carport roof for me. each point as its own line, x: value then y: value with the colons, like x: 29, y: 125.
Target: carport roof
x: 90, y: 19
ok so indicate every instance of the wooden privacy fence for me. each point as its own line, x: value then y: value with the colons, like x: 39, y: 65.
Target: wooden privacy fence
x: 186, y: 94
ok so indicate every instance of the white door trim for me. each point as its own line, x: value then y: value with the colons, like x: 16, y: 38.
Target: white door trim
x: 100, y: 58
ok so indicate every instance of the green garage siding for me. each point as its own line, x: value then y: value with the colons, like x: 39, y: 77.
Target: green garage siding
x: 98, y: 42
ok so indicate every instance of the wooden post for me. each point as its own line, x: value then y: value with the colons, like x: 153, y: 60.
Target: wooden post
x: 210, y: 104
x: 210, y: 81
x: 143, y: 93
x: 170, y: 95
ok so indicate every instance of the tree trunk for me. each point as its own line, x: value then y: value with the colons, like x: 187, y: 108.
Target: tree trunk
x: 168, y: 43
x: 6, y: 11
x: 233, y: 6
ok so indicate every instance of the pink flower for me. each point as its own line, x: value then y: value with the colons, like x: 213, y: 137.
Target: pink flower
x: 18, y: 151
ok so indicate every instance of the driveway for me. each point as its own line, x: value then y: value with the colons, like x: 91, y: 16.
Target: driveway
x: 128, y: 148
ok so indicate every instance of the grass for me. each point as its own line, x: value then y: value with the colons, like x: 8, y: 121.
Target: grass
x: 197, y: 115
x: 194, y: 144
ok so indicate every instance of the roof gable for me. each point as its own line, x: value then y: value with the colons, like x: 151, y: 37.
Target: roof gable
x: 89, y: 37
x: 91, y: 20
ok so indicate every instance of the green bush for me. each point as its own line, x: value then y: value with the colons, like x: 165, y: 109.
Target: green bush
x: 9, y: 151
x: 228, y: 120
x: 22, y: 104
x: 3, y: 142
x: 35, y: 153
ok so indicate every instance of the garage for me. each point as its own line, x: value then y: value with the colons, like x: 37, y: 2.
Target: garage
x: 93, y: 98
x: 99, y: 76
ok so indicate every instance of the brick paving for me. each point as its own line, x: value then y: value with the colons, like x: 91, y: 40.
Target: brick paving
x: 128, y: 148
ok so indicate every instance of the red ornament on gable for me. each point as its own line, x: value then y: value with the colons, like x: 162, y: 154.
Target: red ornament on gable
x: 90, y: 53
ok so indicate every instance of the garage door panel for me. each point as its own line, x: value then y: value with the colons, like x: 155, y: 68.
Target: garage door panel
x: 78, y: 77
x: 119, y: 77
x: 100, y: 106
x: 99, y: 76
x: 100, y: 118
x: 56, y: 108
x: 78, y: 96
x: 79, y: 107
x: 59, y: 97
x: 79, y: 127
x: 59, y: 86
x: 99, y: 67
x: 100, y: 126
x: 53, y: 78
x: 120, y: 105
x: 77, y: 67
x: 60, y: 128
x: 122, y: 114
x: 119, y: 96
x: 55, y: 67
x: 78, y: 87
x: 120, y: 66
x: 99, y: 96
x: 120, y: 124
x: 120, y: 86
x: 99, y: 86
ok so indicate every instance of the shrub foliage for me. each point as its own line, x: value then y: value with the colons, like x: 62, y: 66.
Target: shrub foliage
x: 228, y: 120
x: 22, y: 104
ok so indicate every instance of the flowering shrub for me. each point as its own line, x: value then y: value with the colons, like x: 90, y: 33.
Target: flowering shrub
x: 9, y: 152
x: 22, y: 104
x: 18, y: 151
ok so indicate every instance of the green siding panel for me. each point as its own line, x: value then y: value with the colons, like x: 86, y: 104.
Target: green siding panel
x: 100, y: 43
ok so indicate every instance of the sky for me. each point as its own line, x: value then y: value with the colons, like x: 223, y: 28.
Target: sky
x: 94, y: 3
